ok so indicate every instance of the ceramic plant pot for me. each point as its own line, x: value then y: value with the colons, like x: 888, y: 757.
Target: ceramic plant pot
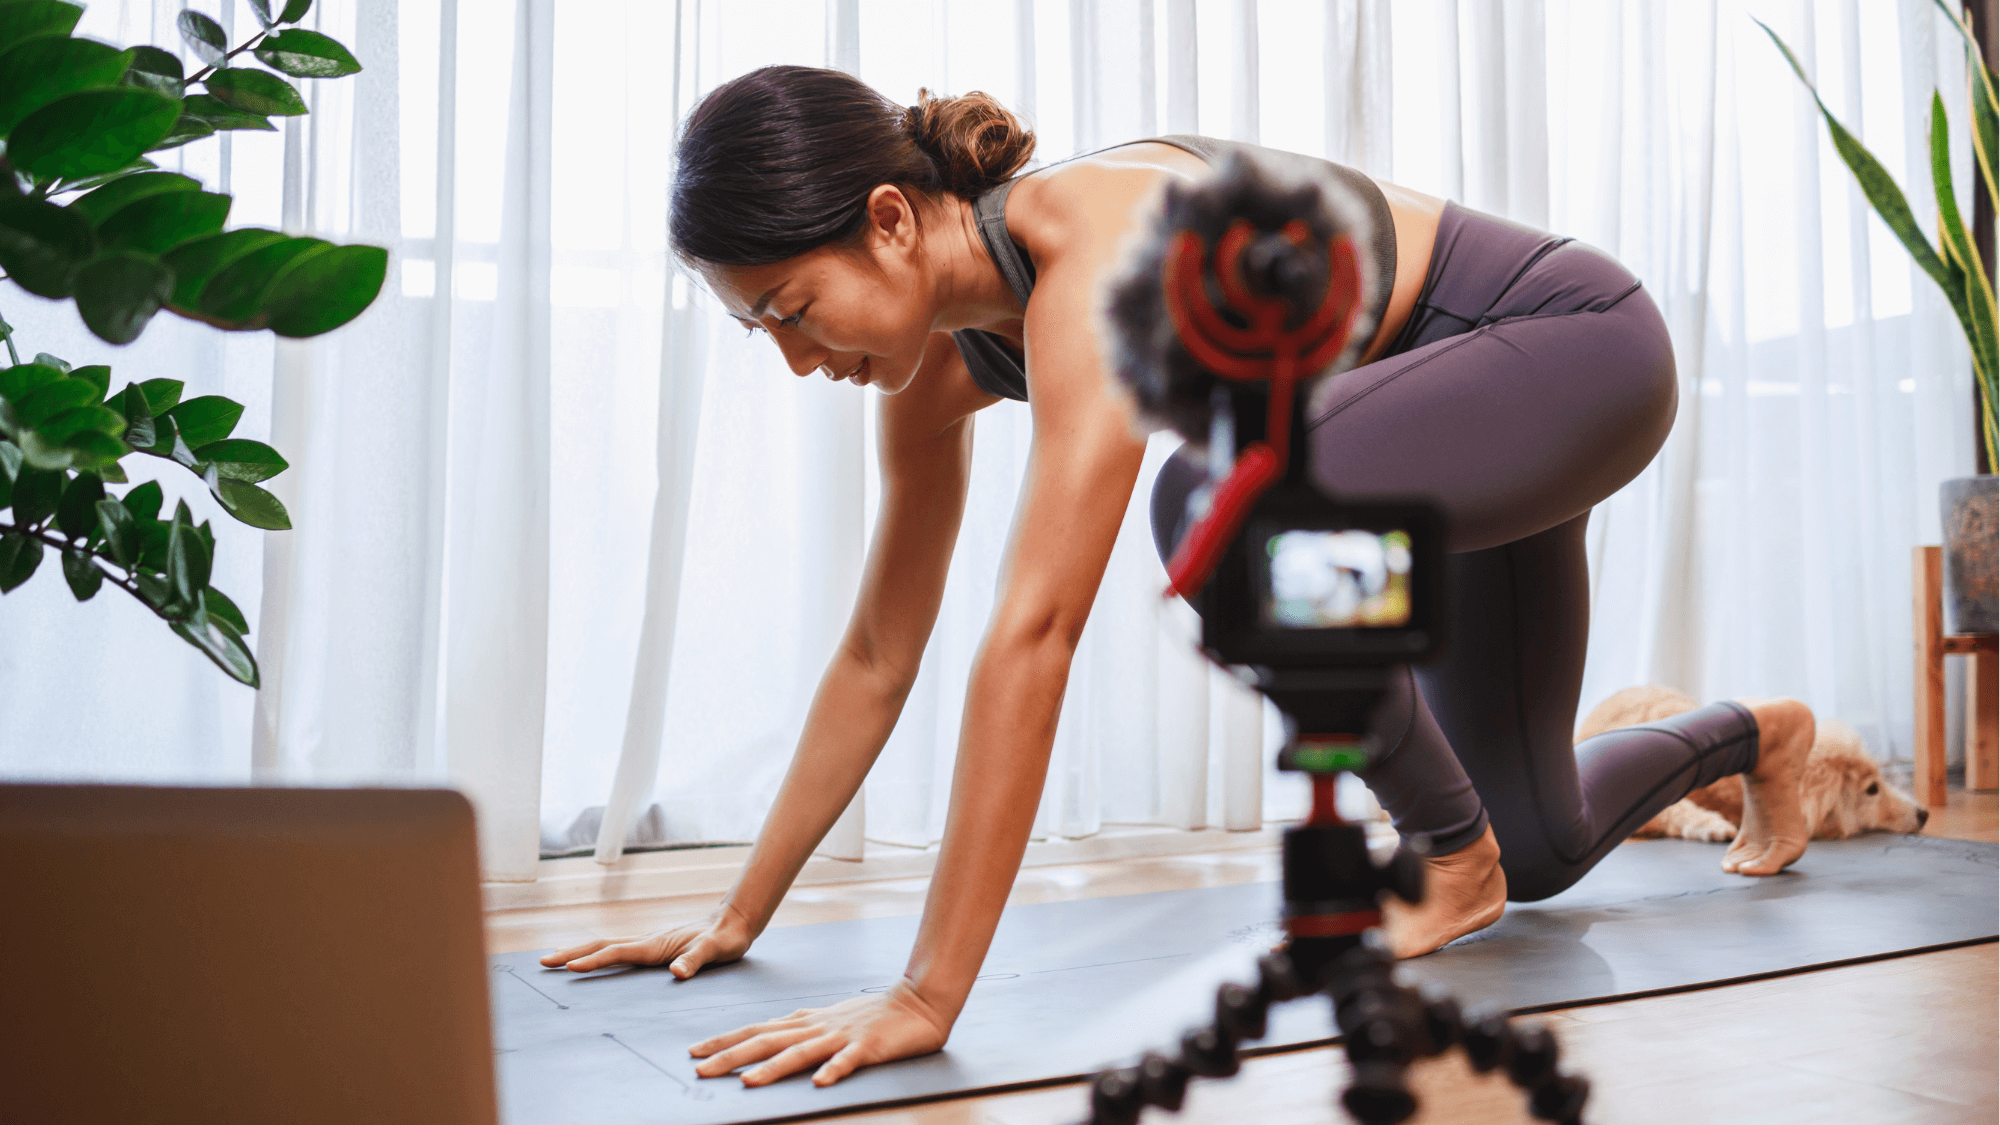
x: 1971, y: 512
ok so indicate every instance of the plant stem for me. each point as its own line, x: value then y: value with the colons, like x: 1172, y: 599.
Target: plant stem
x: 8, y: 330
x: 211, y: 68
x: 128, y: 583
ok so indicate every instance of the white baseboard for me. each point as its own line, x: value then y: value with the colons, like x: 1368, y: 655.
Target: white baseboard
x: 689, y: 871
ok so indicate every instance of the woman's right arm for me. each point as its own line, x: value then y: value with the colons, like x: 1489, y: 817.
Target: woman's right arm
x: 926, y: 456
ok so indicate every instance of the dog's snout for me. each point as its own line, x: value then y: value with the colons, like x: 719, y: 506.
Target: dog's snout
x: 1923, y: 816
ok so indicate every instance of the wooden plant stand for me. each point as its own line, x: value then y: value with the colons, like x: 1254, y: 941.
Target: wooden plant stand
x: 1982, y: 694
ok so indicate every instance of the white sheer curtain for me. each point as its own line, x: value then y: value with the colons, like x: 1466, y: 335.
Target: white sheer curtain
x: 567, y: 538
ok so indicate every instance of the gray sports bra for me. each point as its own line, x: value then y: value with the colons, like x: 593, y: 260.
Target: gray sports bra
x: 999, y: 369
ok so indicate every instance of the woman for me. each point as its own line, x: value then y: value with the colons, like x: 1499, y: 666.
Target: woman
x: 1514, y: 377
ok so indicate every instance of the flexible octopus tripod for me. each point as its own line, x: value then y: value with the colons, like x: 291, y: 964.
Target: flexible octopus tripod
x: 1331, y: 887
x: 1259, y: 284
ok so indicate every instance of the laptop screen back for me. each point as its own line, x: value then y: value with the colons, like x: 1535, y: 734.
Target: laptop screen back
x: 241, y: 955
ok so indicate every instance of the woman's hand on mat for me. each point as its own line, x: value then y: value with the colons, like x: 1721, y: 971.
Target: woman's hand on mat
x: 897, y: 1024
x: 718, y: 939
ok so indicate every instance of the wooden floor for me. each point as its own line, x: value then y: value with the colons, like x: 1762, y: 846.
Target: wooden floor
x: 1910, y: 1040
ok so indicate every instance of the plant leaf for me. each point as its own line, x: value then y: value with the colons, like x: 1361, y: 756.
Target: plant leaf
x: 187, y: 558
x: 186, y: 128
x: 66, y: 427
x: 36, y: 492
x: 254, y: 91
x: 47, y: 360
x: 158, y: 223
x: 220, y: 608
x: 177, y: 449
x: 219, y: 643
x: 97, y: 375
x: 76, y: 514
x: 1973, y: 299
x: 51, y: 399
x: 206, y: 419
x: 115, y: 524
x: 85, y: 183
x: 196, y: 261
x: 23, y: 379
x: 263, y: 10
x: 162, y: 394
x: 37, y: 72
x: 45, y: 454
x: 306, y: 54
x: 110, y: 472
x: 118, y: 293
x: 86, y: 450
x: 234, y: 297
x: 104, y: 202
x: 42, y: 245
x: 144, y: 501
x: 242, y: 459
x: 1875, y: 181
x: 157, y: 70
x: 295, y: 10
x: 81, y: 572
x: 324, y: 291
x: 221, y: 116
x: 205, y: 36
x: 1983, y: 91
x: 29, y: 19
x: 91, y: 132
x: 19, y: 556
x: 141, y: 431
x: 253, y: 505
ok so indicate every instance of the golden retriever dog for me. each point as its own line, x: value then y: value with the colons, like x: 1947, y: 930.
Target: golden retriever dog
x: 1845, y: 794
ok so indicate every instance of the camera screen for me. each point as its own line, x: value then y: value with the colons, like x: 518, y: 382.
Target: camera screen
x: 1338, y: 579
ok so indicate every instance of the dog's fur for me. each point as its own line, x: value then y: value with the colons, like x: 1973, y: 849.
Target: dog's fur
x: 1845, y: 794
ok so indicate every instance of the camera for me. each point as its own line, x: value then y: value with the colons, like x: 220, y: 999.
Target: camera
x: 1315, y: 582
x: 1244, y: 293
x: 1246, y: 290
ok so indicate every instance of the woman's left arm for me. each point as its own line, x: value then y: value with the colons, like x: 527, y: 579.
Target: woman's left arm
x: 1081, y: 470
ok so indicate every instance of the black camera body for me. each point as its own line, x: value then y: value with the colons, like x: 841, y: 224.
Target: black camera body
x: 1246, y: 291
x: 1315, y: 582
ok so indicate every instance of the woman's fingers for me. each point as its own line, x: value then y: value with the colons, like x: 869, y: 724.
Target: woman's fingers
x: 699, y: 952
x: 563, y: 957
x: 844, y: 1062
x: 644, y: 951
x: 754, y: 1049
x: 716, y: 1043
x: 791, y: 1060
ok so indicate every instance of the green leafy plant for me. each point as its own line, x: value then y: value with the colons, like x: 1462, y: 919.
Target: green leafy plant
x: 86, y: 217
x: 1957, y: 269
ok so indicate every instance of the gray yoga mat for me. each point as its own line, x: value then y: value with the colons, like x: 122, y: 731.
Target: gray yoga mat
x: 1071, y: 987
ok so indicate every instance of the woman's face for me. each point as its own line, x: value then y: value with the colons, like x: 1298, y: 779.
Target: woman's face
x: 860, y: 313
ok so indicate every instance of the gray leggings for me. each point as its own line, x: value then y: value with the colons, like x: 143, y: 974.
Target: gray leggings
x: 1533, y: 380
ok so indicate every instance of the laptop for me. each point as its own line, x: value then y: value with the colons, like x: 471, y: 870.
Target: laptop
x: 217, y: 956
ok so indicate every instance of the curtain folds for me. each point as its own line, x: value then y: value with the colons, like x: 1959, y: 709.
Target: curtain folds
x: 565, y: 537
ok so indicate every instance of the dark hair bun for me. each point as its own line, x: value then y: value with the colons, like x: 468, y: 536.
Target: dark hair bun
x: 782, y: 160
x: 974, y: 141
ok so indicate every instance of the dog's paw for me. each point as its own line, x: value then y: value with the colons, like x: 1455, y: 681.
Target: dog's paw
x: 1690, y: 821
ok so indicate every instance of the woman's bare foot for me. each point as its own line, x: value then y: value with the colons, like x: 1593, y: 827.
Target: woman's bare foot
x: 1463, y: 892
x: 1774, y: 831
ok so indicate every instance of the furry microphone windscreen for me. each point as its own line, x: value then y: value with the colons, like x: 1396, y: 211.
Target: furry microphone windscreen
x: 1168, y: 386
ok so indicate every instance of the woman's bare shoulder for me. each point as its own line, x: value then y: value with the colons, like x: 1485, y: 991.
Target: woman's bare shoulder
x: 1092, y: 202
